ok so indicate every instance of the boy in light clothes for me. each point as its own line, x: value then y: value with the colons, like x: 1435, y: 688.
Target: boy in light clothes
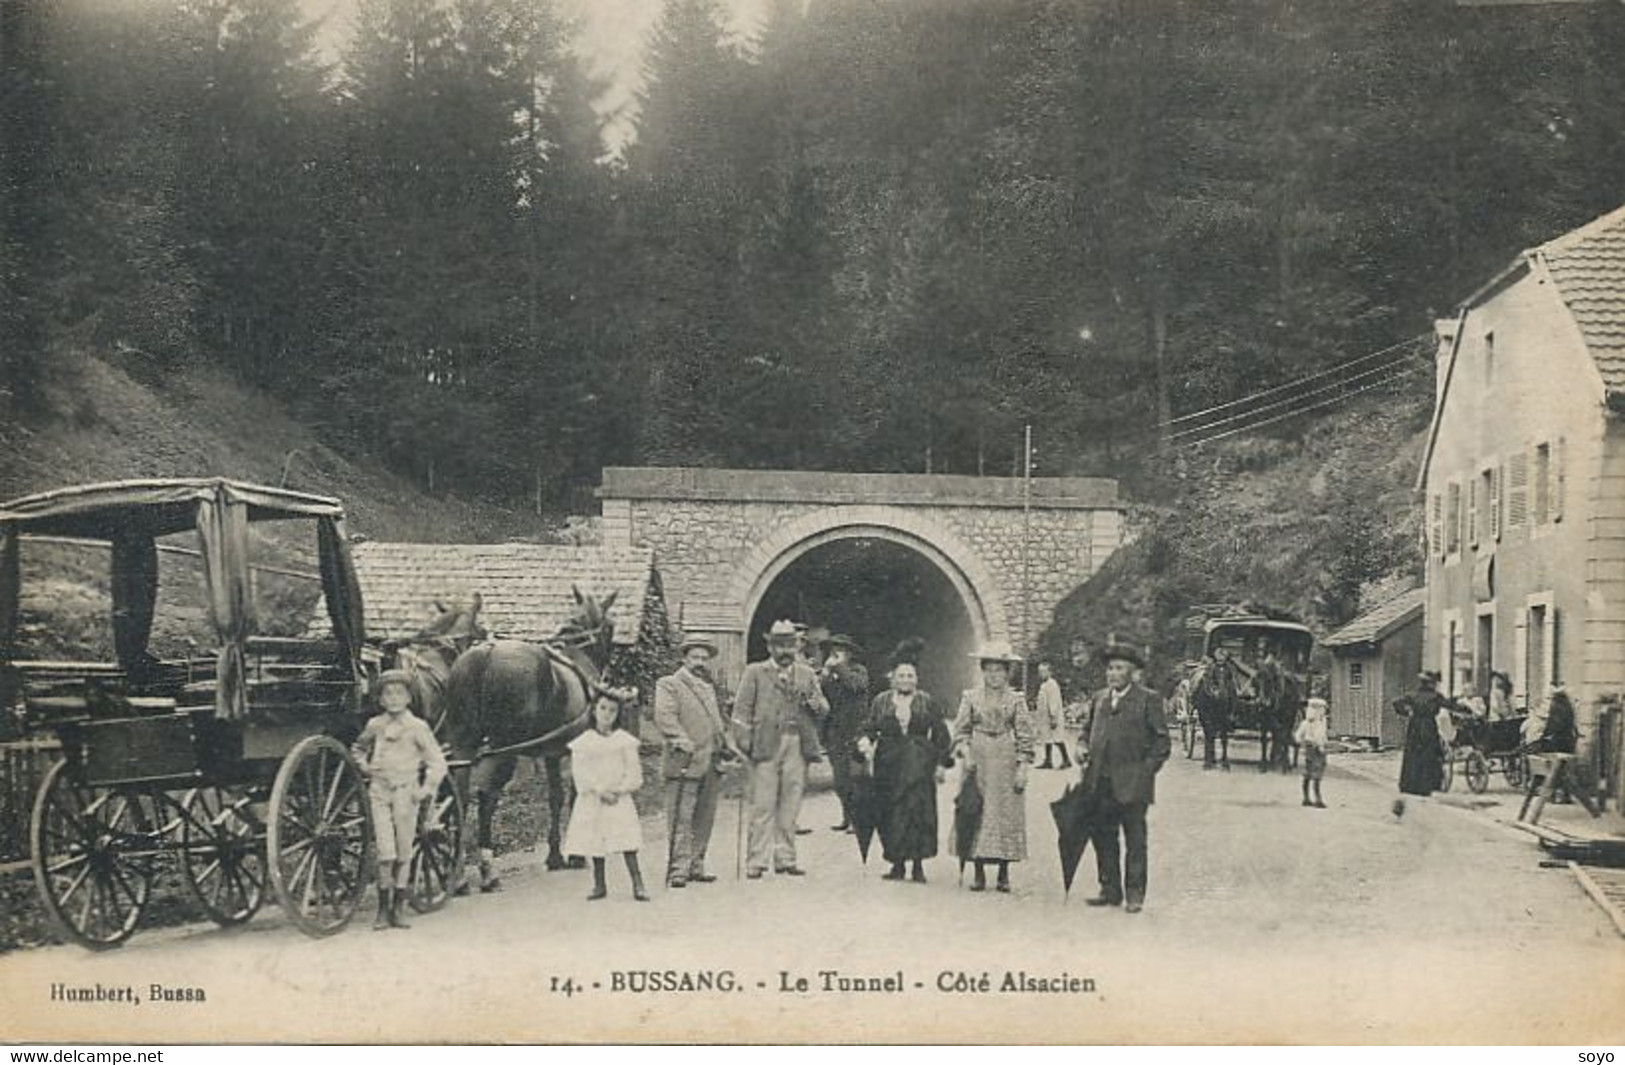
x: 1310, y: 735
x: 404, y: 767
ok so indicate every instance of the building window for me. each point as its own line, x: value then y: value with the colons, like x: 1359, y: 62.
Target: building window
x: 1543, y: 484
x: 1489, y: 489
x: 1452, y: 518
x: 1517, y: 489
x: 1356, y: 676
x: 1489, y: 360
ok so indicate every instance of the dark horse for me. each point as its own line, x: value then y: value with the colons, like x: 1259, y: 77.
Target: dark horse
x: 504, y: 695
x: 428, y: 656
x: 1213, y: 693
x: 1280, y: 698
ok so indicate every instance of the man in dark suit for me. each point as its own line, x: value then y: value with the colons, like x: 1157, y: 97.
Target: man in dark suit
x: 689, y: 717
x: 1127, y: 744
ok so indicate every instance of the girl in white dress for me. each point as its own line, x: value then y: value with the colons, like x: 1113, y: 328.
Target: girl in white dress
x: 604, y: 764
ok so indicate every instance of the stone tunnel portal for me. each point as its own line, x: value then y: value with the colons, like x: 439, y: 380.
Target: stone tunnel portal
x: 879, y: 592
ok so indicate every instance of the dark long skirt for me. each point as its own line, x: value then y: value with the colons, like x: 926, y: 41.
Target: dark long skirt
x: 1421, y: 772
x: 905, y: 779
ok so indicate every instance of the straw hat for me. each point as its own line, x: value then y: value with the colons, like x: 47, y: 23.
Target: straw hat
x: 996, y: 651
x: 689, y: 643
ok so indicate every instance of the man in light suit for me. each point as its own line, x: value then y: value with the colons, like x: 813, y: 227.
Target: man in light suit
x: 1127, y: 745
x: 778, y: 700
x: 689, y: 717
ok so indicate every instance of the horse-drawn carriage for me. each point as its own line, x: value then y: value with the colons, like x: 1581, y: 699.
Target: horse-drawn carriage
x: 1252, y: 675
x: 1481, y: 746
x: 232, y: 762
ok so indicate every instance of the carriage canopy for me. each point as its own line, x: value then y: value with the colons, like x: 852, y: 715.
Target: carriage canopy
x: 130, y: 516
x: 1251, y: 639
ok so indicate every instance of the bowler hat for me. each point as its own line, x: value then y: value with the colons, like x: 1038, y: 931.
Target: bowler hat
x: 841, y: 639
x: 1127, y: 652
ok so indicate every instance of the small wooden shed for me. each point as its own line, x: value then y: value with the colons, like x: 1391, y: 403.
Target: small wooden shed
x: 1375, y: 659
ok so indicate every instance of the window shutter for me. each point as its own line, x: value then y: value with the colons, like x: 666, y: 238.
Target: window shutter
x: 1517, y: 489
x: 1495, y: 501
x: 1552, y: 664
x: 1472, y: 512
x: 1436, y: 524
x: 1555, y: 501
x: 1520, y: 659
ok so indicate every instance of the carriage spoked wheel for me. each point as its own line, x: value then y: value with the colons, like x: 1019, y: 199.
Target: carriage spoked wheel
x: 318, y: 836
x: 437, y: 856
x: 222, y: 853
x: 95, y: 852
x: 1478, y: 772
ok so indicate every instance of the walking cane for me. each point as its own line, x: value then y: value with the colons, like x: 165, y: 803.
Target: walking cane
x: 739, y: 828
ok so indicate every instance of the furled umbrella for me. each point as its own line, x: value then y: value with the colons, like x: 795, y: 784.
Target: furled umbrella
x: 1075, y: 813
x: 864, y: 805
x: 967, y: 816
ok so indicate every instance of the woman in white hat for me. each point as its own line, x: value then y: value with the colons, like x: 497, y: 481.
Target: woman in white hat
x: 994, y: 731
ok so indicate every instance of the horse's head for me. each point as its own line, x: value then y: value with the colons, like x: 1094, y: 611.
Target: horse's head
x: 455, y: 628
x: 590, y: 627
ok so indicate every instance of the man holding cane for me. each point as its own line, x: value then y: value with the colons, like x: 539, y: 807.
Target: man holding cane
x: 768, y: 707
x: 688, y: 715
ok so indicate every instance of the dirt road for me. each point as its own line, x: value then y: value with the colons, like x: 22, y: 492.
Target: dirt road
x: 1266, y: 922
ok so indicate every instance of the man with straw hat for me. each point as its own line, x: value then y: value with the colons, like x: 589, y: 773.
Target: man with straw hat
x: 775, y: 696
x: 688, y: 715
x: 1127, y: 745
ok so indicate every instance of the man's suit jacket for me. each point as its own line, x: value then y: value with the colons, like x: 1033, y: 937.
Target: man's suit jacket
x: 686, y: 709
x: 1128, y: 744
x: 766, y: 708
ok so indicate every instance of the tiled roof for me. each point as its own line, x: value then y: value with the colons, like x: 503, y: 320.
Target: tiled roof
x: 524, y: 588
x: 1378, y: 622
x: 1588, y: 267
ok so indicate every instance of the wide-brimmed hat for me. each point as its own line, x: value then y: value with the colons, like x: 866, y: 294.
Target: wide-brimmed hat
x: 395, y: 676
x: 783, y: 631
x: 841, y: 639
x: 1115, y: 648
x: 689, y: 643
x: 996, y: 651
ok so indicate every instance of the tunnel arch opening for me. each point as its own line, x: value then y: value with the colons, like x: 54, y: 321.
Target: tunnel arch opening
x: 880, y: 586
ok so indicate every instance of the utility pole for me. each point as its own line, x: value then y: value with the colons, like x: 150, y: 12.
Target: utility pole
x: 1026, y: 552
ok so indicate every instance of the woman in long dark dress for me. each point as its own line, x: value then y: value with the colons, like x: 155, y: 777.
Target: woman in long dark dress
x: 911, y: 749
x: 1421, y: 771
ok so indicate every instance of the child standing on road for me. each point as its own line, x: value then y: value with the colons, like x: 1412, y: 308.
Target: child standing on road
x: 604, y: 764
x: 1310, y: 735
x: 404, y: 766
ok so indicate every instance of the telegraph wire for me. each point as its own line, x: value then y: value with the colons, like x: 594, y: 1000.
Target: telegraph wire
x: 1289, y: 400
x: 1306, y: 379
x: 1188, y: 444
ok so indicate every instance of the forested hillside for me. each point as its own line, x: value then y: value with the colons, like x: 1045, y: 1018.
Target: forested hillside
x: 873, y: 236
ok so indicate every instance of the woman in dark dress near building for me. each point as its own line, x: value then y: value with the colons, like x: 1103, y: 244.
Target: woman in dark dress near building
x: 910, y: 746
x: 1421, y: 772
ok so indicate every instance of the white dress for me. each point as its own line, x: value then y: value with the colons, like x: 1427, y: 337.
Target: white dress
x: 599, y: 765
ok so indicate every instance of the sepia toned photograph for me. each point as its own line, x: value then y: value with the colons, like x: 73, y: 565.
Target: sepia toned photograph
x: 858, y: 522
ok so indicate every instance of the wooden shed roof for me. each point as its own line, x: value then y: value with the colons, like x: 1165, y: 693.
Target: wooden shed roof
x: 1381, y: 621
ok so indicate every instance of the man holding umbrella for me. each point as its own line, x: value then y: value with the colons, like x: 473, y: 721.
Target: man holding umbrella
x: 689, y: 717
x: 1126, y: 745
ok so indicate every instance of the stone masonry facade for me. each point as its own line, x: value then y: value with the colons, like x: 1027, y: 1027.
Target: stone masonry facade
x: 721, y: 536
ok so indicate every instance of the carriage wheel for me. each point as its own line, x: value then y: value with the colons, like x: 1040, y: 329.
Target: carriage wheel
x: 437, y: 854
x: 222, y: 854
x: 94, y: 851
x: 1478, y: 773
x: 319, y: 838
x: 1516, y: 769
